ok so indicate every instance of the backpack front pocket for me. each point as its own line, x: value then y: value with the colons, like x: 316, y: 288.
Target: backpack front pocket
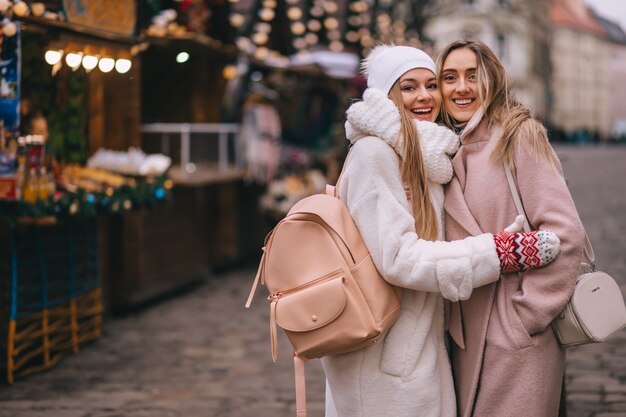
x: 305, y: 315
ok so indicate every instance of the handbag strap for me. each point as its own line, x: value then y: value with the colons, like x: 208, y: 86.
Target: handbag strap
x: 588, y: 249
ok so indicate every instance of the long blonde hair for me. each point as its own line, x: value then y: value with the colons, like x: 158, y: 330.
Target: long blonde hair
x: 501, y: 106
x: 413, y: 172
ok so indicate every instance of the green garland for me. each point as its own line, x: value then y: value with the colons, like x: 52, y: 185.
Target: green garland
x: 146, y: 193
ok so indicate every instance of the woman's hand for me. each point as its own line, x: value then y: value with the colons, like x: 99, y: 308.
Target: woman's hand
x: 519, y: 251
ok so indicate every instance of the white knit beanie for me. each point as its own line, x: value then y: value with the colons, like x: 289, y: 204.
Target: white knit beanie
x: 386, y: 63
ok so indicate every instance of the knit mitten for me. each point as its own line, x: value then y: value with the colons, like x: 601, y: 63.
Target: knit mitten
x: 521, y: 251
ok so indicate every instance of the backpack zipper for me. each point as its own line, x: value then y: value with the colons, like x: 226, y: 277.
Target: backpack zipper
x: 277, y: 295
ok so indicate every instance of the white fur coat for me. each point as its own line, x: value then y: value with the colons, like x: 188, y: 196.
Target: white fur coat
x: 407, y: 373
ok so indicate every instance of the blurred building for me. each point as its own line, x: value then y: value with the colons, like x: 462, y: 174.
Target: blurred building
x: 617, y: 64
x: 517, y: 30
x: 581, y: 70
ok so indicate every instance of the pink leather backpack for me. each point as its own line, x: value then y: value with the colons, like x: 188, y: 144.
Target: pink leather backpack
x: 325, y: 291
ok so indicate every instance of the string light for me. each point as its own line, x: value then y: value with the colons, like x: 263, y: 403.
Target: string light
x: 266, y: 14
x: 52, y: 57
x: 335, y: 46
x: 260, y: 38
x: 299, y: 43
x: 263, y: 27
x: 314, y: 25
x: 123, y: 65
x: 73, y: 59
x: 330, y: 7
x: 294, y: 13
x: 236, y: 20
x: 90, y: 62
x: 331, y: 23
x: 182, y: 57
x: 298, y: 28
x: 311, y: 38
x: 106, y: 64
x: 229, y: 72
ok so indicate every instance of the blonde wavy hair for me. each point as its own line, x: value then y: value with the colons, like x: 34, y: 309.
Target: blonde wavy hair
x: 413, y: 172
x: 501, y: 106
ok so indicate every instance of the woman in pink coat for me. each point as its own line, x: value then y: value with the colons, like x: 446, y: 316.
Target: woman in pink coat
x: 506, y: 360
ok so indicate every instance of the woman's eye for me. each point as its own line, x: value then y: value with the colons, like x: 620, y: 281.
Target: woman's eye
x: 432, y: 86
x: 448, y: 78
x: 407, y: 88
x: 472, y: 77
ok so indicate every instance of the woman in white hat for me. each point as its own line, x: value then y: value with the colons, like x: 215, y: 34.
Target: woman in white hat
x: 392, y: 185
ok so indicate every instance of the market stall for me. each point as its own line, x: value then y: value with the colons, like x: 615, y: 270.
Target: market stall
x: 57, y: 109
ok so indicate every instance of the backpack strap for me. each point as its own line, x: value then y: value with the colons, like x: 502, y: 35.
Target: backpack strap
x: 259, y: 274
x: 298, y: 368
x: 333, y: 189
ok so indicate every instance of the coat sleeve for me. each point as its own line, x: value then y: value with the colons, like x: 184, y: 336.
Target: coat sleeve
x: 372, y: 189
x: 548, y: 206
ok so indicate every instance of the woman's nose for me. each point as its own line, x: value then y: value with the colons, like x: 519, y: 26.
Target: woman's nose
x: 462, y: 86
x: 422, y: 95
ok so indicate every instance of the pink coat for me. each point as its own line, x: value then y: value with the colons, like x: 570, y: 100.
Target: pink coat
x: 505, y: 357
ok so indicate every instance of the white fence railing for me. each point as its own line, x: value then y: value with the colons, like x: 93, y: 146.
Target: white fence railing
x: 223, y: 131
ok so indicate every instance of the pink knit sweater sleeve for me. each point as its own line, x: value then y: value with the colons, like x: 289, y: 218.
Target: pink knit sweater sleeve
x: 549, y: 206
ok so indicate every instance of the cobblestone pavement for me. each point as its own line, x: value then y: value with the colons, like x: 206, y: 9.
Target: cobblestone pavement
x: 202, y: 354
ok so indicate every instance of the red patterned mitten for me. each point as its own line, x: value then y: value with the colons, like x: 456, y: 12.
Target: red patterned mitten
x: 521, y: 251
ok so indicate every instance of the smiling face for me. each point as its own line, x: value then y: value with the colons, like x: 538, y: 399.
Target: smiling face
x: 458, y: 84
x: 420, y: 95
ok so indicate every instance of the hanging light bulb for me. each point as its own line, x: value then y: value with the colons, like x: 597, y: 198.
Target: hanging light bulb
x: 314, y: 25
x: 9, y: 29
x: 298, y: 28
x: 73, y: 59
x: 262, y: 27
x: 299, y: 43
x: 330, y: 7
x: 21, y: 9
x: 266, y: 14
x: 106, y: 64
x: 294, y: 13
x: 261, y: 53
x: 333, y: 35
x: 352, y: 36
x: 229, y: 72
x: 316, y: 11
x: 38, y: 9
x: 260, y: 38
x: 123, y: 65
x: 90, y: 62
x: 331, y: 23
x: 336, y: 46
x: 243, y: 44
x: 182, y: 57
x: 311, y: 38
x: 236, y: 20
x: 52, y: 56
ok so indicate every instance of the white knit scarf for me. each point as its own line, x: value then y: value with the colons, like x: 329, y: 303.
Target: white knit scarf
x: 378, y: 116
